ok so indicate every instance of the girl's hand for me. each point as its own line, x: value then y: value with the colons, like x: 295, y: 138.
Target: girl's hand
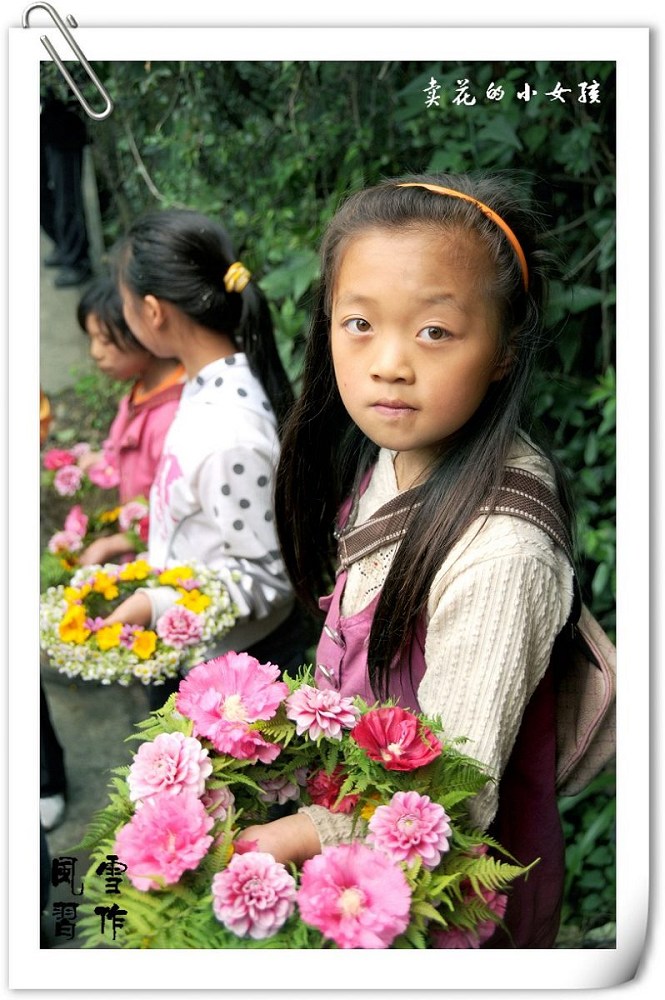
x: 104, y: 550
x: 89, y: 459
x: 136, y: 610
x: 292, y: 838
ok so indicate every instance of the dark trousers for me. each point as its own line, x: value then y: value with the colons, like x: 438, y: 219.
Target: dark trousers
x: 51, y: 758
x: 63, y: 211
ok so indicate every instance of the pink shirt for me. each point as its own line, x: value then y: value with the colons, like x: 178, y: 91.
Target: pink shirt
x: 136, y: 439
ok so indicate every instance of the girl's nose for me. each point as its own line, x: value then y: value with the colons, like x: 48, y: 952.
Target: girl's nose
x: 390, y: 362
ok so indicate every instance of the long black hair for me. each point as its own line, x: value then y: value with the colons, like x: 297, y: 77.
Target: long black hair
x: 325, y: 455
x: 182, y: 256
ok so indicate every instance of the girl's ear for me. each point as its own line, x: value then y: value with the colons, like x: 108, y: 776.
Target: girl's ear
x: 505, y: 363
x: 502, y: 368
x: 154, y: 311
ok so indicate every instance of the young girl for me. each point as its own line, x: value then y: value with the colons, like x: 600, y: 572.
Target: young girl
x: 136, y: 437
x: 423, y: 337
x: 185, y: 294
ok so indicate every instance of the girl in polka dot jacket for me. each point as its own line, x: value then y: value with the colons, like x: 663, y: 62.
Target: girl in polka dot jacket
x: 185, y: 295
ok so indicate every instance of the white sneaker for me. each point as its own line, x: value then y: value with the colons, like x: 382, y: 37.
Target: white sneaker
x: 51, y: 810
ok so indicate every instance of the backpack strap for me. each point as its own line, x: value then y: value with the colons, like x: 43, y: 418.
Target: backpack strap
x: 524, y: 495
x: 521, y: 494
x: 386, y: 526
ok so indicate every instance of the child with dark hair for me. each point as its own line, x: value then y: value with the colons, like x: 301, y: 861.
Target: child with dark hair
x: 186, y: 294
x: 136, y: 437
x: 413, y: 407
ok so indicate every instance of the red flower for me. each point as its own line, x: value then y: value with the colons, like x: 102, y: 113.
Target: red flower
x: 57, y: 458
x: 396, y: 738
x: 324, y: 789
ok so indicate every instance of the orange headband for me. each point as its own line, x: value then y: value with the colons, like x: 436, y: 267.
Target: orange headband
x: 486, y: 210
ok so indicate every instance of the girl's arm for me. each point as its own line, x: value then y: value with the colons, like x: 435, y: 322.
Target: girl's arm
x: 108, y: 549
x: 488, y: 644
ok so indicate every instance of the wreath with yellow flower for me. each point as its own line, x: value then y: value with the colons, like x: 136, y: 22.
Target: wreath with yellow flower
x: 81, y: 528
x: 79, y: 642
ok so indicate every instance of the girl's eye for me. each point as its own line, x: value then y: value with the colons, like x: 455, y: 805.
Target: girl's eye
x: 357, y: 325
x: 433, y: 333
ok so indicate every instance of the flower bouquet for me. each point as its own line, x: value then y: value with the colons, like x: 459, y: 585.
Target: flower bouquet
x: 79, y: 643
x: 233, y: 740
x: 80, y: 530
x: 63, y: 473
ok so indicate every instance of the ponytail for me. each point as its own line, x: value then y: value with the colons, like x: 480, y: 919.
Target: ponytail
x: 185, y: 258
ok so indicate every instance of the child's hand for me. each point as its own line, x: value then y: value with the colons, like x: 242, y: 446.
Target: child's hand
x: 292, y: 838
x: 104, y: 550
x: 90, y: 458
x: 136, y: 610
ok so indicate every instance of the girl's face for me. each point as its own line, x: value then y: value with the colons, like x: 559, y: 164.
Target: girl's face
x: 122, y: 365
x: 414, y: 339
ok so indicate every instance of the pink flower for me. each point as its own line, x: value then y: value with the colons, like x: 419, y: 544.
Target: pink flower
x: 94, y: 624
x: 218, y: 801
x: 254, y: 895
x: 167, y: 836
x: 396, y: 738
x: 172, y: 763
x: 128, y: 633
x: 456, y: 937
x: 243, y: 743
x: 104, y: 474
x: 410, y: 826
x: 77, y: 521
x: 225, y: 695
x: 324, y: 789
x: 245, y: 846
x: 180, y: 627
x: 355, y: 896
x: 67, y: 480
x: 58, y: 458
x: 131, y: 512
x: 278, y: 790
x: 65, y: 541
x: 321, y: 713
x: 80, y: 449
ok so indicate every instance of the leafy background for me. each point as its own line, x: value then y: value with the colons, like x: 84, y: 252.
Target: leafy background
x: 272, y: 148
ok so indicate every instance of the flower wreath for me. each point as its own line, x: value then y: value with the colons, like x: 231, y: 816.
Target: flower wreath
x: 80, y: 529
x: 79, y: 643
x: 234, y: 740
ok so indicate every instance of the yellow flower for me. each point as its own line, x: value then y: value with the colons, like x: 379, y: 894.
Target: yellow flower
x: 370, y: 808
x: 73, y: 595
x: 144, y: 644
x: 137, y: 570
x: 105, y: 585
x: 72, y: 627
x: 194, y: 600
x: 172, y: 577
x: 109, y: 636
x: 108, y: 516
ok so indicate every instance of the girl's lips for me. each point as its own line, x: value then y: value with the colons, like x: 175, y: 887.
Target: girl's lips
x: 392, y: 407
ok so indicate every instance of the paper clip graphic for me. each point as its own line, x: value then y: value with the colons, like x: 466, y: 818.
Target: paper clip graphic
x: 64, y: 30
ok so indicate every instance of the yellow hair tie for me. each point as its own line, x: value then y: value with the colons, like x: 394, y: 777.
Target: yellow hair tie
x: 237, y: 277
x: 490, y: 213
